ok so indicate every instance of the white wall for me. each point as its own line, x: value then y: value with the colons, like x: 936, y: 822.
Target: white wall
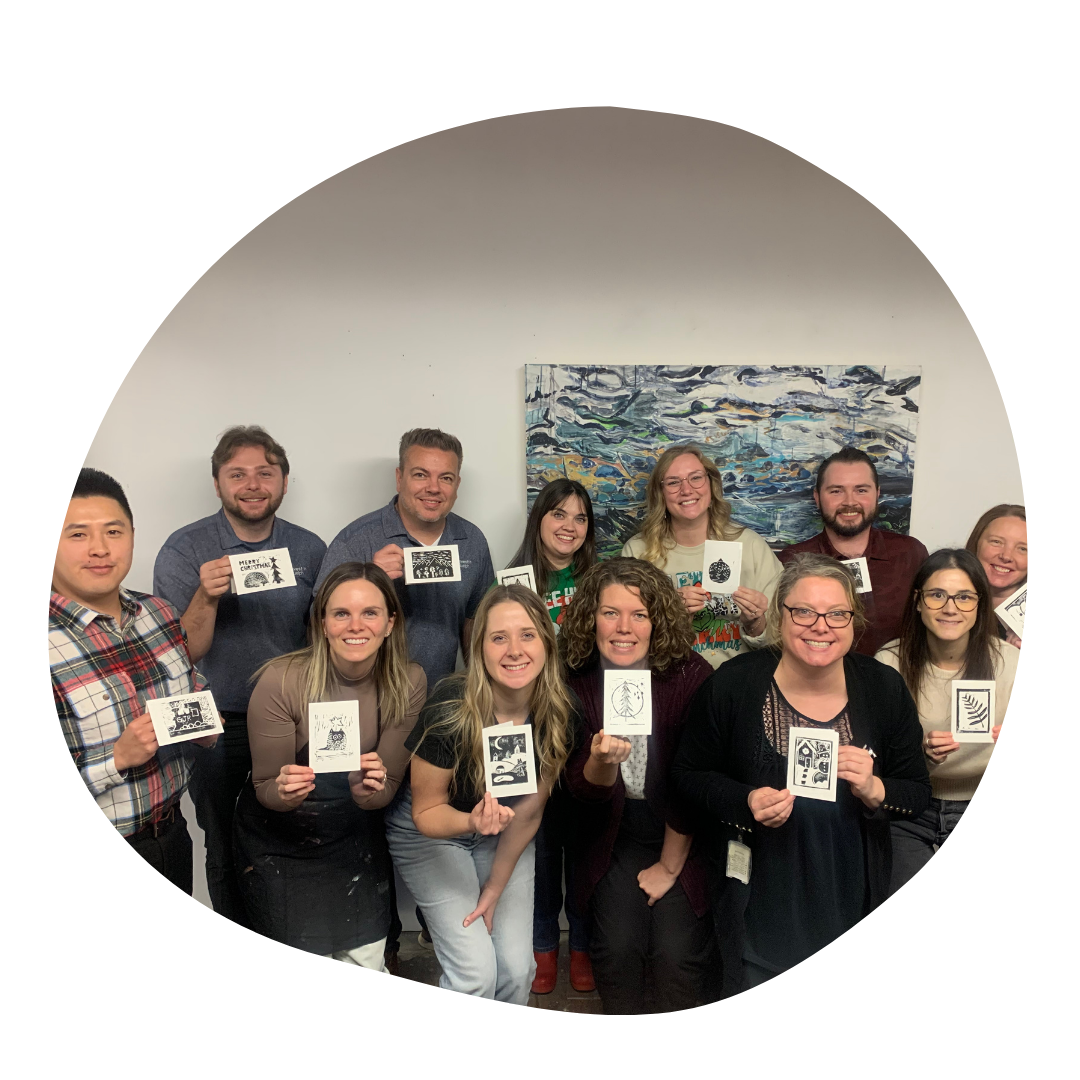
x: 412, y: 289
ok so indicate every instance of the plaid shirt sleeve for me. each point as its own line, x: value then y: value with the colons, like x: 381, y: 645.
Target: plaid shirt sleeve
x: 101, y: 673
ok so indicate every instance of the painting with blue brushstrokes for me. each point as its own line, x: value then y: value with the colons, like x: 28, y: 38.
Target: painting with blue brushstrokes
x: 767, y: 429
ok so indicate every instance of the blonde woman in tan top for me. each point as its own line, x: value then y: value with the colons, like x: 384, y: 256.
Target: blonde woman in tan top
x: 312, y: 858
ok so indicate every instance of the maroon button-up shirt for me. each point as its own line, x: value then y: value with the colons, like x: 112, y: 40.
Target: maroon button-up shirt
x: 892, y: 560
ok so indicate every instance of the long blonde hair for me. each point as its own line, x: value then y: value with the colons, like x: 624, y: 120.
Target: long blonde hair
x: 391, y: 669
x: 472, y: 707
x: 656, y: 528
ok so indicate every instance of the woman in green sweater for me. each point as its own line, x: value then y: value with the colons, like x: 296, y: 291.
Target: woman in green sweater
x: 949, y: 632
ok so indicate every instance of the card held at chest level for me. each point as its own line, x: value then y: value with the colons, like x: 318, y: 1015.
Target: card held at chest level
x: 260, y: 571
x: 184, y: 716
x: 861, y: 573
x: 432, y: 565
x: 627, y: 702
x: 811, y: 763
x: 973, y: 710
x: 334, y: 736
x: 509, y: 762
x: 1012, y: 609
x: 721, y: 566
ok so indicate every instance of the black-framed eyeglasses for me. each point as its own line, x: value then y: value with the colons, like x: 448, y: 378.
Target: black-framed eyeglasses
x: 804, y: 616
x: 936, y: 599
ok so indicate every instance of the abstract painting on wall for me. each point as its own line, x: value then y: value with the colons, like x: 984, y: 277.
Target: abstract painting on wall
x: 767, y: 429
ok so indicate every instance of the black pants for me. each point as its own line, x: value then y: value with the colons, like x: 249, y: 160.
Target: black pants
x: 217, y: 778
x: 169, y: 853
x: 629, y: 942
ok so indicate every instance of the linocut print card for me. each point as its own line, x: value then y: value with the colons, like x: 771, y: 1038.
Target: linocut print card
x: 440, y: 562
x: 861, y: 571
x: 723, y: 565
x: 972, y: 709
x: 258, y: 571
x: 517, y: 575
x: 509, y: 767
x: 627, y: 702
x: 185, y: 716
x: 811, y: 763
x: 1012, y: 609
x: 334, y: 736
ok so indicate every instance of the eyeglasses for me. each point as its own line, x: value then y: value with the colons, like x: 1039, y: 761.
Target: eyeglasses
x: 935, y: 599
x: 804, y: 616
x: 695, y: 480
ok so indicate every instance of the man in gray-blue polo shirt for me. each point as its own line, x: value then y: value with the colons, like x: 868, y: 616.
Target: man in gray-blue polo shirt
x: 229, y: 635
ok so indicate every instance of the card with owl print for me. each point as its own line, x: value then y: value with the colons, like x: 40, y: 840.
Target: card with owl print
x: 722, y: 566
x: 627, y: 702
x: 334, y: 736
x: 973, y: 705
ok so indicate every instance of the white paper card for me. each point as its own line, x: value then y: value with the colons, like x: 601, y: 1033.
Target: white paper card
x: 627, y: 702
x: 184, y: 716
x: 722, y: 566
x: 1012, y: 609
x: 811, y: 763
x: 862, y: 574
x: 973, y: 704
x: 424, y: 565
x: 334, y: 736
x: 517, y: 575
x: 259, y: 571
x: 738, y: 861
x: 509, y: 766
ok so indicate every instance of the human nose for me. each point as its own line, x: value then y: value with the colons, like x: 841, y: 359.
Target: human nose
x: 99, y: 542
x: 622, y: 624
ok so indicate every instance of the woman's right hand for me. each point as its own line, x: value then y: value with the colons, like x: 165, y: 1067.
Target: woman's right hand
x: 694, y: 597
x: 938, y: 745
x: 294, y: 784
x: 609, y: 749
x: 770, y: 807
x: 488, y: 818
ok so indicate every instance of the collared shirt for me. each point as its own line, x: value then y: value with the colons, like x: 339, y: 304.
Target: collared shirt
x: 435, y: 613
x: 98, y: 669
x: 892, y: 559
x: 248, y: 629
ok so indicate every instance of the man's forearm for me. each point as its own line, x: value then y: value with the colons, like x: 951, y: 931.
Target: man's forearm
x: 198, y: 623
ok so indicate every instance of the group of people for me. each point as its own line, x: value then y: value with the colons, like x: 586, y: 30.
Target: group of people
x: 686, y: 867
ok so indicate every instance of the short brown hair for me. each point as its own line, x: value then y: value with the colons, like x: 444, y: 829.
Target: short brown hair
x: 236, y: 438
x: 428, y: 439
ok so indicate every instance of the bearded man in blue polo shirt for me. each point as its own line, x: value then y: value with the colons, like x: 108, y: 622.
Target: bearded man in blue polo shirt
x: 230, y: 635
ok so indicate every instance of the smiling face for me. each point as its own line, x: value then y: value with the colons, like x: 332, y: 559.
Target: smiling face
x: 623, y: 626
x: 687, y: 503
x: 356, y: 624
x: 819, y: 645
x: 94, y: 553
x: 563, y: 531
x: 427, y: 486
x: 514, y: 653
x: 1003, y: 553
x: 249, y: 487
x: 848, y: 498
x: 948, y: 623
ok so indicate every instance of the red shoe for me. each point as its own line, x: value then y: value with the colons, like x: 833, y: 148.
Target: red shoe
x: 581, y: 976
x: 547, y: 967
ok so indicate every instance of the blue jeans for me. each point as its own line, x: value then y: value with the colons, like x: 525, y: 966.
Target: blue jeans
x: 914, y: 842
x: 445, y: 877
x: 552, y: 843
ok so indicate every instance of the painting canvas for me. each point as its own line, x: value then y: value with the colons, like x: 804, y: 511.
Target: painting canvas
x: 767, y: 428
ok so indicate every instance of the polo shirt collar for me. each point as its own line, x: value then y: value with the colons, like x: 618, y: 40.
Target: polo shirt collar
x: 228, y: 538
x: 394, y: 527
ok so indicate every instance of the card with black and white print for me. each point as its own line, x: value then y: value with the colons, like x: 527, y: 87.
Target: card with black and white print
x: 1012, y: 609
x: 334, y: 736
x: 424, y: 565
x: 722, y: 566
x: 861, y: 572
x: 811, y: 763
x: 517, y: 575
x: 184, y: 716
x: 973, y: 704
x: 627, y: 702
x: 509, y: 765
x: 259, y: 571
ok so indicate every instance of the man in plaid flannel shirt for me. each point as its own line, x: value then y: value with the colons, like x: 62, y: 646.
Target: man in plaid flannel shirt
x: 109, y: 650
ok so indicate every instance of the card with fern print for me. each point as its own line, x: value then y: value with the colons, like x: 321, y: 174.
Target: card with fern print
x: 973, y: 710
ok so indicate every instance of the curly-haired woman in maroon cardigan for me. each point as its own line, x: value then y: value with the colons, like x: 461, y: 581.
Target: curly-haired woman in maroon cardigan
x: 643, y: 885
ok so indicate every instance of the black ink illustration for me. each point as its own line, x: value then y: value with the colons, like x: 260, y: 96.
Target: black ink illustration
x: 813, y: 762
x: 973, y: 712
x: 335, y: 740
x: 188, y: 716
x: 627, y: 699
x: 275, y: 573
x: 427, y: 565
x: 507, y: 753
x: 1017, y: 606
x: 719, y: 571
x: 517, y: 579
x: 255, y: 580
x: 856, y: 571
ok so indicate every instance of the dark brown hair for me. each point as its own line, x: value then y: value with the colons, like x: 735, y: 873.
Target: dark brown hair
x: 242, y: 435
x: 848, y: 455
x: 429, y: 439
x: 531, y: 552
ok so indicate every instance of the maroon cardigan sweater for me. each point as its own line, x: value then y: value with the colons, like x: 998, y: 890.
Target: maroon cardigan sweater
x: 601, y: 808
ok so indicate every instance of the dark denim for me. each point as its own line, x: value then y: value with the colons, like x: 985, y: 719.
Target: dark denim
x: 169, y: 853
x: 914, y: 842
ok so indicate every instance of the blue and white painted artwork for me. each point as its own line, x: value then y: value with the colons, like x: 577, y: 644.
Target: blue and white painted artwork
x: 767, y: 429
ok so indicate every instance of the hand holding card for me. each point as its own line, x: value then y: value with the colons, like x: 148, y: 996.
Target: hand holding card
x: 722, y: 566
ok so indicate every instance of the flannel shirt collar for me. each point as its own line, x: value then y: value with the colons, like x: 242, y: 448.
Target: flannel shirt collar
x: 394, y: 528
x: 228, y: 539
x: 74, y: 614
x: 875, y: 546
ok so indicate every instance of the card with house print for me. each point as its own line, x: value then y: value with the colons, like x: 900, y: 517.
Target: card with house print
x: 722, y: 566
x: 627, y: 702
x: 517, y: 575
x: 509, y: 764
x: 184, y: 716
x: 811, y: 763
x: 424, y: 565
x: 258, y: 571
x: 334, y: 736
x: 973, y: 704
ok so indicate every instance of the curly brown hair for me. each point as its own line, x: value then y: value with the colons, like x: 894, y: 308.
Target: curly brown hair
x: 672, y: 632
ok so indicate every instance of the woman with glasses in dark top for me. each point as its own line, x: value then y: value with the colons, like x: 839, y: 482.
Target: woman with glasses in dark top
x: 817, y: 866
x: 949, y: 632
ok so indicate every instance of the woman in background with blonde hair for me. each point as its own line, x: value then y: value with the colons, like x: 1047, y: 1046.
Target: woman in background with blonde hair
x: 684, y: 507
x: 466, y: 855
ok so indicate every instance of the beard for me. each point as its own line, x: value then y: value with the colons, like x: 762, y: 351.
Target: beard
x: 237, y: 508
x: 848, y: 531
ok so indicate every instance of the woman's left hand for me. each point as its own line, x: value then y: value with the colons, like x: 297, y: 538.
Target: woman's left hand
x: 655, y: 881
x: 752, y: 608
x: 995, y: 732
x: 485, y: 908
x: 857, y: 768
x: 369, y: 778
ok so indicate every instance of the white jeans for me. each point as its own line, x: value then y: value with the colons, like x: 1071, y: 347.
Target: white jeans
x: 369, y: 956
